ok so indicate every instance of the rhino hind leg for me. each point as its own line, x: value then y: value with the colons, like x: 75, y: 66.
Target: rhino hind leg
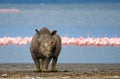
x: 54, y: 62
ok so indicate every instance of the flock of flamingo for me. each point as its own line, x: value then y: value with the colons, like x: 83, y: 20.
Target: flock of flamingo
x: 11, y: 10
x: 105, y: 41
x: 90, y: 41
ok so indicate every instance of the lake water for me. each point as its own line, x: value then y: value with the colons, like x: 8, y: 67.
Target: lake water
x: 71, y: 20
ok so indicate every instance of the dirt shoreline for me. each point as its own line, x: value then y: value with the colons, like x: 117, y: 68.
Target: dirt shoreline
x: 67, y: 71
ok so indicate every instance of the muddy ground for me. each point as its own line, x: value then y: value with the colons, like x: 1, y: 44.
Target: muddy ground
x: 65, y: 71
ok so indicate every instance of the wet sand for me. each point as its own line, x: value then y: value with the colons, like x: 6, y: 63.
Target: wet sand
x: 65, y: 71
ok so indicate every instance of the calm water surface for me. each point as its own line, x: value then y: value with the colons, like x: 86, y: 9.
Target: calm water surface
x: 72, y: 20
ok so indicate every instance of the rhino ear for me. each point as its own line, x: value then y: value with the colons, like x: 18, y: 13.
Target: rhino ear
x: 53, y: 32
x: 37, y: 31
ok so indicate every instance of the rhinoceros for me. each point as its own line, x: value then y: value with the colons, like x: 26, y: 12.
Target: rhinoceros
x: 45, y: 46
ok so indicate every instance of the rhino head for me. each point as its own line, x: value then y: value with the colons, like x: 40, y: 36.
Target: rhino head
x: 47, y: 43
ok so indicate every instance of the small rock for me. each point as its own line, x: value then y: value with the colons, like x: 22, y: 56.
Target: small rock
x: 33, y: 78
x: 67, y: 77
x: 95, y: 69
x: 4, y: 75
x: 27, y: 77
x: 115, y: 77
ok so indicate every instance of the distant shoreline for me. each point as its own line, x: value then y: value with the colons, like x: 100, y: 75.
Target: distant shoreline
x: 57, y: 1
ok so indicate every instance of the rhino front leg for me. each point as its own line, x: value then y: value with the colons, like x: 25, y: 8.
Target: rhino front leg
x: 54, y: 63
x: 41, y: 62
x: 44, y: 64
x: 37, y: 62
x: 37, y: 65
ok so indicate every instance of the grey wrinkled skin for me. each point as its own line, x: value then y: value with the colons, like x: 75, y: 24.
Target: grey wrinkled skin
x: 45, y: 46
